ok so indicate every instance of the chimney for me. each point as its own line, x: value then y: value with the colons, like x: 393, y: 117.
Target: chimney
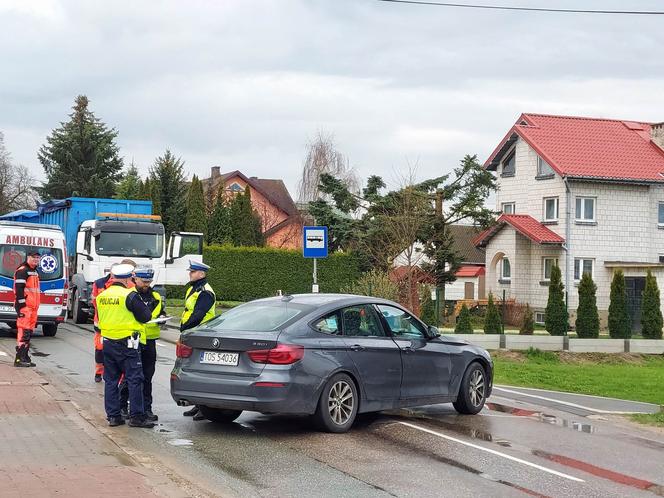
x: 657, y: 134
x: 215, y: 172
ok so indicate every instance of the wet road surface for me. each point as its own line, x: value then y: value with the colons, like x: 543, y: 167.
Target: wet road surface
x: 517, y: 446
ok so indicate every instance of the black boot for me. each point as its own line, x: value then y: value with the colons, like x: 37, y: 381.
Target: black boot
x: 191, y: 412
x: 20, y: 360
x: 27, y: 355
x: 151, y: 416
x: 141, y: 422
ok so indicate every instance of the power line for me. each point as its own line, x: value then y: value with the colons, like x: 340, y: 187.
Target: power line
x: 529, y: 9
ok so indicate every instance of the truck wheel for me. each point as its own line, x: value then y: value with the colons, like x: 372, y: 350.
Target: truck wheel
x: 77, y: 312
x: 49, y: 329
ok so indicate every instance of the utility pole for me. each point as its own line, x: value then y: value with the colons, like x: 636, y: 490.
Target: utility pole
x: 439, y: 214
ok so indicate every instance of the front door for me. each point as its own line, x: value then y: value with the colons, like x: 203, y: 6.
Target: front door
x: 469, y: 290
x: 426, y: 363
x: 374, y: 353
x: 635, y: 287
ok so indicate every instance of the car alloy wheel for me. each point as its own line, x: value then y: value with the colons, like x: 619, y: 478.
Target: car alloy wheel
x: 476, y: 387
x: 340, y: 402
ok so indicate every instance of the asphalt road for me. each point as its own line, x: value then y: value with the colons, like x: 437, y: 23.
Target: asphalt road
x: 524, y: 443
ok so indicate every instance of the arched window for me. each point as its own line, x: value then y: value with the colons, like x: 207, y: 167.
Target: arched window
x: 505, y: 269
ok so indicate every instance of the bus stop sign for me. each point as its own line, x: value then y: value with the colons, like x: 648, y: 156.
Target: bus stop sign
x: 315, y: 242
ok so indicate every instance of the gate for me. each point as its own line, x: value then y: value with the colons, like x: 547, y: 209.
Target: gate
x: 635, y: 287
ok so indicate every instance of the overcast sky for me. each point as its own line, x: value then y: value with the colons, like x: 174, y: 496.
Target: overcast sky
x: 245, y: 84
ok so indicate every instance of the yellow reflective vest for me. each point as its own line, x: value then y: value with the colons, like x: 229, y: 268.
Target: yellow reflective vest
x: 152, y: 330
x: 115, y: 320
x: 190, y: 299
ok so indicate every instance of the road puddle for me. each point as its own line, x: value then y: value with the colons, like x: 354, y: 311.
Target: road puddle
x: 569, y: 424
x: 180, y: 442
x: 40, y: 354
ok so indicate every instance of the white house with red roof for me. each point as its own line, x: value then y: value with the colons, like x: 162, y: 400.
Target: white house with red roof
x: 586, y: 194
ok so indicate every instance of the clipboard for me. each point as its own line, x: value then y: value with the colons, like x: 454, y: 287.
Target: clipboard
x: 160, y: 319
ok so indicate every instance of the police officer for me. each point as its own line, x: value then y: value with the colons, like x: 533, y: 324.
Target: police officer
x: 199, y: 303
x: 26, y: 304
x: 152, y: 299
x: 121, y: 317
x: 98, y: 286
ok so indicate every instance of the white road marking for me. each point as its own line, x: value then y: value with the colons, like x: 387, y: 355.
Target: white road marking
x: 2, y: 353
x: 566, y: 403
x: 159, y: 343
x: 496, y: 386
x: 493, y: 452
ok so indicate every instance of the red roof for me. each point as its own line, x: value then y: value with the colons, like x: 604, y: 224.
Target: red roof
x: 591, y: 148
x: 524, y: 224
x: 470, y: 271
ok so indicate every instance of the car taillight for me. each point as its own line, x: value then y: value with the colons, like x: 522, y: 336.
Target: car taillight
x: 182, y: 350
x: 282, y: 354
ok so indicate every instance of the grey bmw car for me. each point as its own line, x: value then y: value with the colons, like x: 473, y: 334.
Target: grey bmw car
x: 328, y: 355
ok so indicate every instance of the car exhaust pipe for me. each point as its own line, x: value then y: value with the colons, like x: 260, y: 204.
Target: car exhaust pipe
x: 183, y: 402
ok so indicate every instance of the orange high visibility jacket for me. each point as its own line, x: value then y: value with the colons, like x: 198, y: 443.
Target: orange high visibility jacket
x: 26, y: 287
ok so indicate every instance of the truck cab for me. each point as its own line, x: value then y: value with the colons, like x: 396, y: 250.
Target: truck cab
x: 100, y: 243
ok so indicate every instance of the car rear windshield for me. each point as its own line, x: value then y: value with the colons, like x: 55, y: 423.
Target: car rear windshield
x: 50, y: 262
x: 258, y: 317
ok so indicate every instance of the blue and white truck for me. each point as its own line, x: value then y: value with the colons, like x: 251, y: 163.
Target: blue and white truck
x: 102, y: 232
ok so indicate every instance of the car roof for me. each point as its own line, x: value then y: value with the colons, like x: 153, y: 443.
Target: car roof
x: 326, y: 299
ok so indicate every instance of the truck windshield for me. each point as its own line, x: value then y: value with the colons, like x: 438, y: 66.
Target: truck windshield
x: 50, y: 265
x: 140, y: 245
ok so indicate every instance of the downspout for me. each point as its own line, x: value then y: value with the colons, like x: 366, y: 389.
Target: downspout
x: 567, y: 246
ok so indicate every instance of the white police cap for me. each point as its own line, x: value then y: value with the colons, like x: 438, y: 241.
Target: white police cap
x: 122, y: 271
x: 196, y: 266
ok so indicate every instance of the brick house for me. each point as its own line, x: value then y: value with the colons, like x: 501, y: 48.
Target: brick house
x: 586, y: 194
x: 281, y: 220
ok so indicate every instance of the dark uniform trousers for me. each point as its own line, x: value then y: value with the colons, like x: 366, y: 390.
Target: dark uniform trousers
x: 119, y: 358
x: 149, y: 360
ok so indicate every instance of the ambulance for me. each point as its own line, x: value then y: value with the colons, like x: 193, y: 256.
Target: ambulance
x: 16, y: 239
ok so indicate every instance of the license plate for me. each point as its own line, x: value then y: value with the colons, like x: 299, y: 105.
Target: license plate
x: 220, y: 358
x: 6, y: 308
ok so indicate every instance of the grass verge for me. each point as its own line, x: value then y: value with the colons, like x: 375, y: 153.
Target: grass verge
x: 624, y: 376
x: 656, y: 419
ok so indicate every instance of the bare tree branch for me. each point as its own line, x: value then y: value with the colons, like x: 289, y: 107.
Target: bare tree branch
x: 16, y: 183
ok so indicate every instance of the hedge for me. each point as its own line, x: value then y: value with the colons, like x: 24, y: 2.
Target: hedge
x: 246, y: 273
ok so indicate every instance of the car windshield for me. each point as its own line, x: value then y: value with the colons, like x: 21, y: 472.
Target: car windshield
x: 141, y: 245
x: 258, y: 317
x: 50, y: 263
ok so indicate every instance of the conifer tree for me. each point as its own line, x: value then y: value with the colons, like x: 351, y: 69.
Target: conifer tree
x: 464, y: 325
x: 492, y: 320
x: 587, y: 317
x: 651, y: 312
x: 130, y: 186
x: 620, y: 325
x: 245, y: 223
x: 196, y: 220
x: 80, y: 157
x: 556, y: 319
x: 528, y: 325
x: 219, y: 225
x: 427, y: 308
x: 169, y: 191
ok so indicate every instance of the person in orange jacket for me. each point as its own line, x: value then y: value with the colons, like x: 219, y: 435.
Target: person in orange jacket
x: 98, y: 287
x: 26, y: 304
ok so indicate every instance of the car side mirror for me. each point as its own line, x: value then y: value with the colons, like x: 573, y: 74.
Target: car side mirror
x: 433, y: 331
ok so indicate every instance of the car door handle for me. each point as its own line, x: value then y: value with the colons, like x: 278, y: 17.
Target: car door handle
x: 356, y: 347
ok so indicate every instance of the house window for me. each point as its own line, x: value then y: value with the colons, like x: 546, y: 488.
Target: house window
x: 551, y: 209
x: 582, y: 266
x: 508, y: 207
x: 539, y: 317
x: 235, y: 187
x: 585, y: 209
x: 505, y: 270
x: 660, y: 214
x: 547, y: 265
x: 543, y: 168
x: 509, y: 165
